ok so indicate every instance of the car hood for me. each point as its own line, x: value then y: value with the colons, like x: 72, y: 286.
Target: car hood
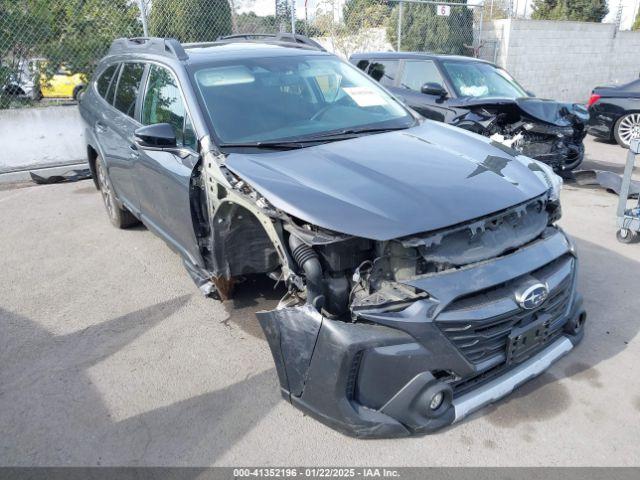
x: 560, y: 114
x: 393, y: 184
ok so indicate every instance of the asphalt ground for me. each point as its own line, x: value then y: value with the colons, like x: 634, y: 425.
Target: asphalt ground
x: 109, y: 355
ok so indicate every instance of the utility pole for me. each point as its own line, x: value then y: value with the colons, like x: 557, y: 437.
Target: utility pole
x: 399, y: 25
x: 293, y: 16
x: 143, y: 17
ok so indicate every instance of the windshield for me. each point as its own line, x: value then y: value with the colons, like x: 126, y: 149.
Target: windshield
x: 475, y: 79
x: 290, y: 98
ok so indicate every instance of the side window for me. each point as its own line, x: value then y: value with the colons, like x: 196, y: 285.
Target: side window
x: 384, y: 71
x: 163, y: 104
x: 112, y: 88
x: 418, y: 72
x: 104, y: 81
x: 128, y: 86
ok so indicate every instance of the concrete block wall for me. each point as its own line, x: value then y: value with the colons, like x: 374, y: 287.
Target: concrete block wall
x: 562, y: 60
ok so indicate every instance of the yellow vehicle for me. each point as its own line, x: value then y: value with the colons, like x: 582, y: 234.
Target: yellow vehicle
x: 64, y: 84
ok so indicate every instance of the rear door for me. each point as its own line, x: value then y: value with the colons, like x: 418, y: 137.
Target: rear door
x: 414, y: 74
x: 163, y: 178
x: 121, y: 127
x: 100, y: 115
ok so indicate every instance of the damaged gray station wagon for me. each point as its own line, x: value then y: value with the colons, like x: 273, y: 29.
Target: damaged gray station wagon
x: 425, y: 274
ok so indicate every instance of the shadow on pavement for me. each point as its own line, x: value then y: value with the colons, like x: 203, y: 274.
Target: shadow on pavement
x: 255, y: 293
x: 52, y: 414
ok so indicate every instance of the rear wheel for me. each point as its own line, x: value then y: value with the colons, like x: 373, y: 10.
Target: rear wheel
x: 119, y: 216
x: 627, y: 128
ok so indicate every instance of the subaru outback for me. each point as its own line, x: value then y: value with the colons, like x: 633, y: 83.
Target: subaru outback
x: 426, y: 276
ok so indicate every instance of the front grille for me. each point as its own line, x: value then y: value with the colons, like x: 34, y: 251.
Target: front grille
x: 479, y: 325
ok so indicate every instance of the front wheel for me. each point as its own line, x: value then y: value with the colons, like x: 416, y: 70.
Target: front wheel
x: 119, y: 216
x: 627, y: 128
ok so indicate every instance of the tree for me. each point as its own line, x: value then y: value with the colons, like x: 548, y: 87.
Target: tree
x: 577, y: 10
x: 424, y: 31
x: 190, y: 20
x: 636, y: 24
x: 283, y: 16
x: 78, y: 33
x: 74, y: 34
x: 359, y: 14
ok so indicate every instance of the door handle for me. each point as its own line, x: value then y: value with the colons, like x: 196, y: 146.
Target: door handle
x: 101, y: 127
x: 134, y: 150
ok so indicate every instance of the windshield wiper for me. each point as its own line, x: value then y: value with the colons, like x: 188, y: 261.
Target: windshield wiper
x: 305, y: 142
x: 357, y: 131
x: 288, y: 145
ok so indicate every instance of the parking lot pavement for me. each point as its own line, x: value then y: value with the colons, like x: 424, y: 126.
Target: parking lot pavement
x: 110, y: 356
x: 604, y: 155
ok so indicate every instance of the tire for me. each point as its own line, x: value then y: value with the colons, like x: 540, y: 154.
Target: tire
x: 624, y: 235
x: 119, y: 216
x: 626, y: 128
x: 77, y: 91
x: 575, y: 163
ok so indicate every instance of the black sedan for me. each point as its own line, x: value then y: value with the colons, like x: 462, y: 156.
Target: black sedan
x: 615, y: 112
x: 479, y: 96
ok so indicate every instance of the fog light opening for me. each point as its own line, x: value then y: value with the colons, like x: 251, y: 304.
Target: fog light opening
x: 580, y: 320
x: 436, y: 401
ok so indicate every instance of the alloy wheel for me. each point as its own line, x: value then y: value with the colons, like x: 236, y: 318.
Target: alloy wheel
x: 629, y: 127
x: 105, y: 190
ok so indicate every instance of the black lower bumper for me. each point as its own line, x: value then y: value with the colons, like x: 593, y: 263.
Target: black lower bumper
x: 378, y: 378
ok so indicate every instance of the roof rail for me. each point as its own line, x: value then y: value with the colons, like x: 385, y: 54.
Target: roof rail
x: 281, y: 37
x: 160, y: 46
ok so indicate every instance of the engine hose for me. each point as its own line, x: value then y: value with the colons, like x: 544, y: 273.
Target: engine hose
x: 307, y: 259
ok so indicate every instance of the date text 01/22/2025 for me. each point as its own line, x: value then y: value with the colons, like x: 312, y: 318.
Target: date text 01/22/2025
x: 293, y: 472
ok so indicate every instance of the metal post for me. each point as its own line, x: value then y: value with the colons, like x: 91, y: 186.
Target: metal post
x: 480, y: 29
x: 143, y: 17
x: 399, y: 25
x: 625, y: 186
x: 293, y: 16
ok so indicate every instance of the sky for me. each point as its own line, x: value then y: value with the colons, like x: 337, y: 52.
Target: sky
x: 267, y: 7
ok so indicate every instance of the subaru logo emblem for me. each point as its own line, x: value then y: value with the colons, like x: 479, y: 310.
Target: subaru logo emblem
x: 532, y: 296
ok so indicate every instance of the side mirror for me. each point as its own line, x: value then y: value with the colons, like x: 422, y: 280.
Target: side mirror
x: 160, y: 136
x: 433, y: 88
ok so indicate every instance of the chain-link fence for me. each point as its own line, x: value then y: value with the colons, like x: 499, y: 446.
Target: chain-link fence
x: 49, y: 48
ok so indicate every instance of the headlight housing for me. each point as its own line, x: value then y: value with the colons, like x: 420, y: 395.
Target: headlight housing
x: 547, y: 174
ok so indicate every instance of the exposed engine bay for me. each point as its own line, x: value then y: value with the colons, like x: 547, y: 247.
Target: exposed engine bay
x: 545, y: 130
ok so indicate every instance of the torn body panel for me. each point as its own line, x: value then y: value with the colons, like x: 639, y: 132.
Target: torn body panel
x: 546, y: 130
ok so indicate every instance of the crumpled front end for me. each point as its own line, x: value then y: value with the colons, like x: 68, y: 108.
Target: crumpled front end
x: 551, y: 132
x: 405, y: 337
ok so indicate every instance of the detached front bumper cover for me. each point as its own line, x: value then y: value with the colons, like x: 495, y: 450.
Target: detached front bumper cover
x: 377, y: 378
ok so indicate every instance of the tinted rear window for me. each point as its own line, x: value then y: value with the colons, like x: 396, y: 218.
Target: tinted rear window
x: 384, y: 71
x: 128, y: 87
x: 105, y: 80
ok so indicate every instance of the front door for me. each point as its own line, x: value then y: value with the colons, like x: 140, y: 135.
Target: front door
x: 163, y: 178
x: 415, y: 74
